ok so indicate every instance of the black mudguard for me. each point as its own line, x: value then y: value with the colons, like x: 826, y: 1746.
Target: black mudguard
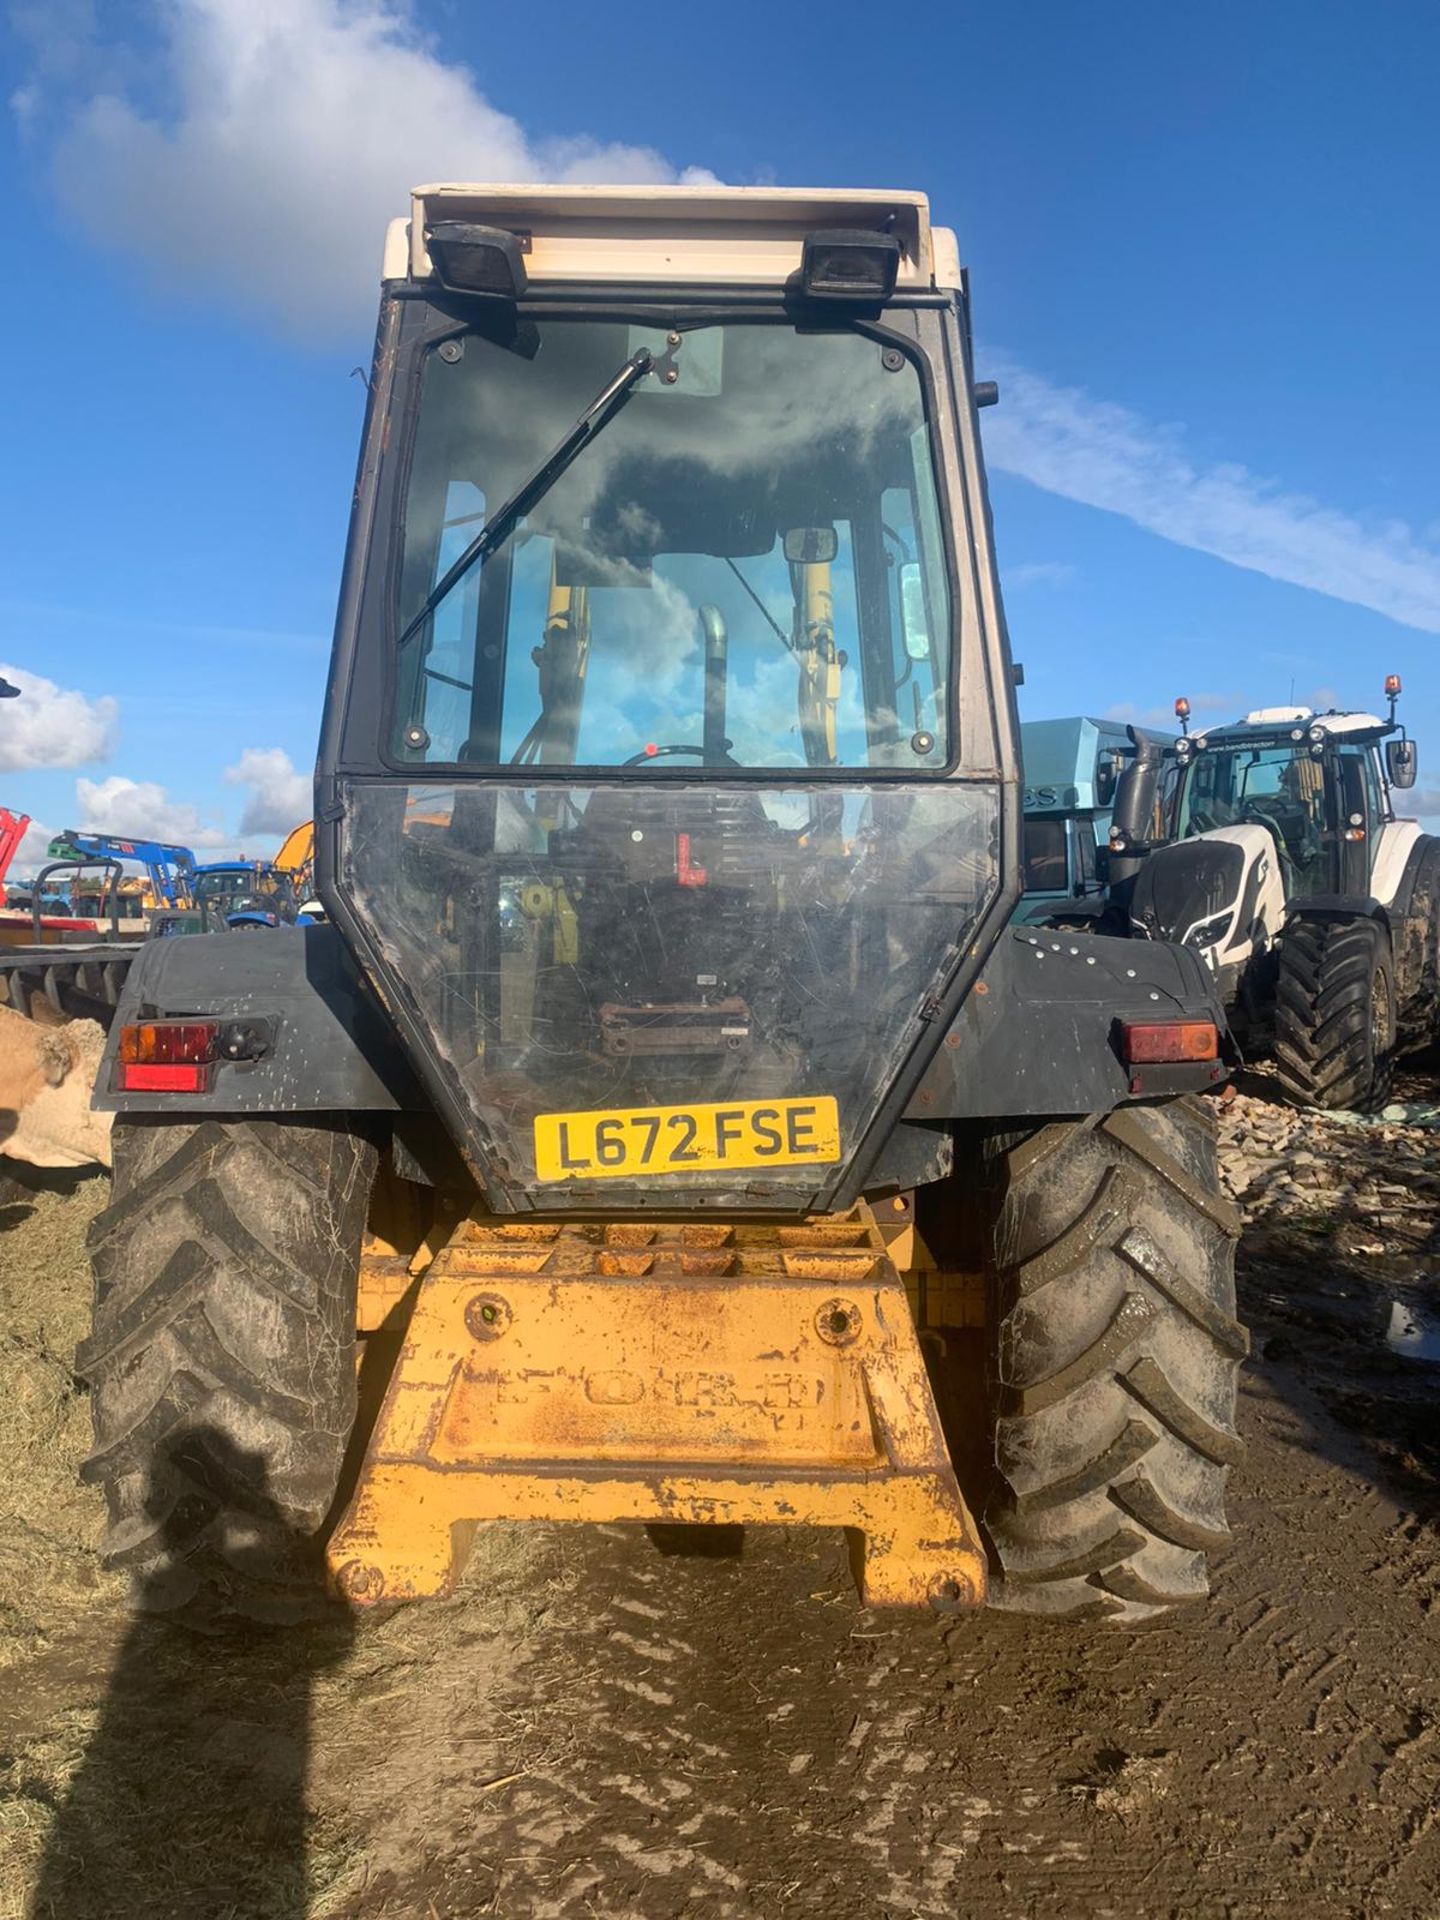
x: 1040, y: 1035
x: 332, y: 1049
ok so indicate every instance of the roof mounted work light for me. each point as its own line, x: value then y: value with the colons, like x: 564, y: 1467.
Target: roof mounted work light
x: 848, y: 263
x: 474, y: 259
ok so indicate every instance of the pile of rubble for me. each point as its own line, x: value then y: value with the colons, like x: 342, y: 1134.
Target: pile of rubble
x: 1364, y: 1186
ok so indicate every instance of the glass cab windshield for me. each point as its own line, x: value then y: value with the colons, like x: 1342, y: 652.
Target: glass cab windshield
x: 1280, y: 786
x: 743, y: 568
x: 243, y: 890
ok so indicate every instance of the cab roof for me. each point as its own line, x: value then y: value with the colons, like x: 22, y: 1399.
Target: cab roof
x: 1060, y: 760
x: 1277, y: 723
x: 736, y: 236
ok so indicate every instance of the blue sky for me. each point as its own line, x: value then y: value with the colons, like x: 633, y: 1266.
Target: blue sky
x: 1203, y: 253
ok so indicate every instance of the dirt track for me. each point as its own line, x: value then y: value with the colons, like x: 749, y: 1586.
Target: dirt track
x: 596, y: 1727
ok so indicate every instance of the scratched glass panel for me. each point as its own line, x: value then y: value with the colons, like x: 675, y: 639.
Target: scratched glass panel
x: 610, y: 948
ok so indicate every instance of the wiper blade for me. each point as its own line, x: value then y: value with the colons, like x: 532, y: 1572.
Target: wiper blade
x: 596, y: 417
x: 784, y: 638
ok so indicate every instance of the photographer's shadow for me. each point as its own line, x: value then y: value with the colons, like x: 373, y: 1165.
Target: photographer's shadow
x: 190, y: 1801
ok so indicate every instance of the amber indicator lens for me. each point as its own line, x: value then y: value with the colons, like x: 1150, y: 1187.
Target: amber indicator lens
x: 169, y: 1043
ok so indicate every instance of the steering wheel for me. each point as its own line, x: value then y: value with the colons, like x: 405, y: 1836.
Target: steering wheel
x: 664, y: 753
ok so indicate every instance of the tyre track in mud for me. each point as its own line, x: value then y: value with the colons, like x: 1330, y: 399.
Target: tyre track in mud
x: 726, y: 1738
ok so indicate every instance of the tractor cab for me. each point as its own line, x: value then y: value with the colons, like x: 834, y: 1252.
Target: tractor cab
x: 243, y: 895
x: 664, y: 779
x: 1317, y: 782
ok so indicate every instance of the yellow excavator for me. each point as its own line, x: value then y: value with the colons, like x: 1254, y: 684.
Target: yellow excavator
x: 668, y: 1117
x: 297, y: 858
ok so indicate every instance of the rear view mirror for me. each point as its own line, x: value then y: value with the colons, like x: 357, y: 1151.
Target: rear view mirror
x: 913, y: 618
x: 1105, y: 774
x: 811, y: 546
x: 1402, y: 762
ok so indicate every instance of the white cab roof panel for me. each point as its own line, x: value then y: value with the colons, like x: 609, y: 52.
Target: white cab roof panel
x: 736, y: 236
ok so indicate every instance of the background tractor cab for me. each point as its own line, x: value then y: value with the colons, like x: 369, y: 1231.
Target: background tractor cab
x: 1287, y: 868
x: 1073, y: 771
x: 244, y: 895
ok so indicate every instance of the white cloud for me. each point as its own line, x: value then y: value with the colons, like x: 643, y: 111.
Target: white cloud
x: 141, y: 809
x: 30, y: 854
x: 295, y: 131
x: 280, y: 797
x: 1127, y: 712
x: 1038, y: 573
x: 51, y: 726
x: 1062, y: 439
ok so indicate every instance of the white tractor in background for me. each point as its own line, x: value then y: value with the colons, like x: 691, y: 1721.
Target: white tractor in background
x: 1285, y: 866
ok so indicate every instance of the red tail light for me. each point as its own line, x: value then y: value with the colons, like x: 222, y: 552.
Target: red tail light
x: 137, y: 1079
x: 167, y: 1056
x: 1162, y: 1042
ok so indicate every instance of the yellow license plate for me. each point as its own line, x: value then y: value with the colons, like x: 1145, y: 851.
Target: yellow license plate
x: 605, y: 1145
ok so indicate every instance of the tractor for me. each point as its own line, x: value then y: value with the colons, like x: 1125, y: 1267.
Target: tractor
x: 244, y: 896
x: 667, y: 1117
x: 1285, y: 866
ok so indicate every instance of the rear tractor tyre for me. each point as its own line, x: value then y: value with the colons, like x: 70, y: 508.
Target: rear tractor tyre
x: 1114, y: 1363
x: 1335, y: 1014
x: 221, y: 1359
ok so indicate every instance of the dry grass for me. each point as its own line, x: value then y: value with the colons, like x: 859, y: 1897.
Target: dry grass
x: 51, y: 1583
x: 49, y: 1523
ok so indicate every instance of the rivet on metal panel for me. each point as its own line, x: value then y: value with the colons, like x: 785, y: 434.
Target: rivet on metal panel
x: 487, y: 1316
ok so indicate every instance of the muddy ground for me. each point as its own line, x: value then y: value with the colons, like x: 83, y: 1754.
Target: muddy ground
x: 594, y: 1727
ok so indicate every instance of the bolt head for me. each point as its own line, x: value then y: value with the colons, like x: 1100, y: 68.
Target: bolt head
x: 838, y: 1323
x: 361, y: 1584
x: 949, y: 1592
x: 487, y: 1316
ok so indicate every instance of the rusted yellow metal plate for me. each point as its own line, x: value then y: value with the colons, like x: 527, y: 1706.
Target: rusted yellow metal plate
x: 604, y: 1144
x: 672, y: 1371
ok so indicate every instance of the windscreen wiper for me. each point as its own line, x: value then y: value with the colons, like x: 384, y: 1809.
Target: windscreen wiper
x: 596, y: 417
x: 784, y: 638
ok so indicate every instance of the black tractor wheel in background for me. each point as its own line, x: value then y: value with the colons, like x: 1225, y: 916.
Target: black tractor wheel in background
x: 221, y: 1358
x: 1114, y: 1355
x: 1335, y: 1014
